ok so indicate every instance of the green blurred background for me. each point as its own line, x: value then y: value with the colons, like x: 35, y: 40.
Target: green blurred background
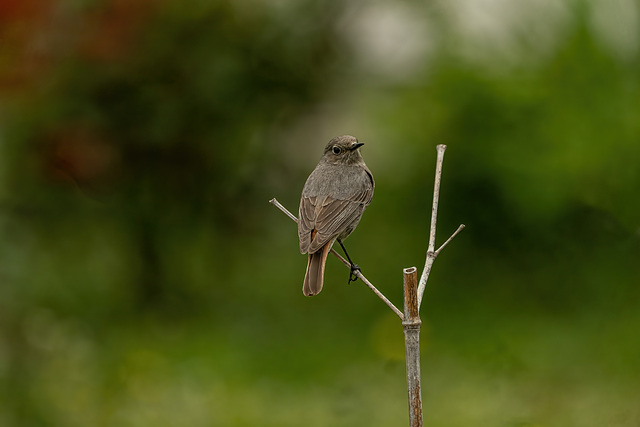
x: 146, y: 281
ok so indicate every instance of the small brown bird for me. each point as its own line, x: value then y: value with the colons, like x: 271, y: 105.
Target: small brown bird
x: 333, y: 200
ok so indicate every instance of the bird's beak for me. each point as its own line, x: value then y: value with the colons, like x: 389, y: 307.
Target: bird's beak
x: 356, y: 146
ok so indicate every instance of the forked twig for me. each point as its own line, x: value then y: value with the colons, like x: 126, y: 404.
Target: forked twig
x: 432, y: 253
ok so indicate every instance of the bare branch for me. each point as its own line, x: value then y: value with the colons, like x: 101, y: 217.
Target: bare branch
x: 431, y: 255
x: 345, y: 262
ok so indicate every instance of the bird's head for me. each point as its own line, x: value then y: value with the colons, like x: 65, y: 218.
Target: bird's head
x: 343, y: 149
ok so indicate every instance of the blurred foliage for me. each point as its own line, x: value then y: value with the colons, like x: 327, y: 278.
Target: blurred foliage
x: 145, y: 280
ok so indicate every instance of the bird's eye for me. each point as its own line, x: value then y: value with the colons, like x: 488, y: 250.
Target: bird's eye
x: 336, y: 150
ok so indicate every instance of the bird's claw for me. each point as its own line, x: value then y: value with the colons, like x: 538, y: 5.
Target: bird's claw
x: 352, y: 274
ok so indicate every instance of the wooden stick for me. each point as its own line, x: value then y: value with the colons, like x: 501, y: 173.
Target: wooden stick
x: 411, y: 326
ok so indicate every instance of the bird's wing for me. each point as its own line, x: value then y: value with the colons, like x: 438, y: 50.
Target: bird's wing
x: 322, y: 219
x: 306, y: 222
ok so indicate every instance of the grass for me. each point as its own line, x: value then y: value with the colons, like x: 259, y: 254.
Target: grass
x: 502, y: 370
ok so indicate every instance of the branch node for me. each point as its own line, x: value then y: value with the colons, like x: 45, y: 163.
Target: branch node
x: 412, y: 324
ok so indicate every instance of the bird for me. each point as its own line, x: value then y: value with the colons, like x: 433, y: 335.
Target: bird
x: 333, y: 199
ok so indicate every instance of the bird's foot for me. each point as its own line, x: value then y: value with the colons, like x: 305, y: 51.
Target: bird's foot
x: 352, y: 274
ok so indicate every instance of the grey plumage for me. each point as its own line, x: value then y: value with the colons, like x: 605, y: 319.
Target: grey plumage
x: 333, y: 200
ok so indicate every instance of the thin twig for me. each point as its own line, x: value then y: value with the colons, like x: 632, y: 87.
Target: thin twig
x: 455, y: 233
x: 278, y: 205
x: 436, y: 196
x: 366, y: 281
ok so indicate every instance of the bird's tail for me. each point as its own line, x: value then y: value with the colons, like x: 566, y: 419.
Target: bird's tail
x: 314, y: 277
